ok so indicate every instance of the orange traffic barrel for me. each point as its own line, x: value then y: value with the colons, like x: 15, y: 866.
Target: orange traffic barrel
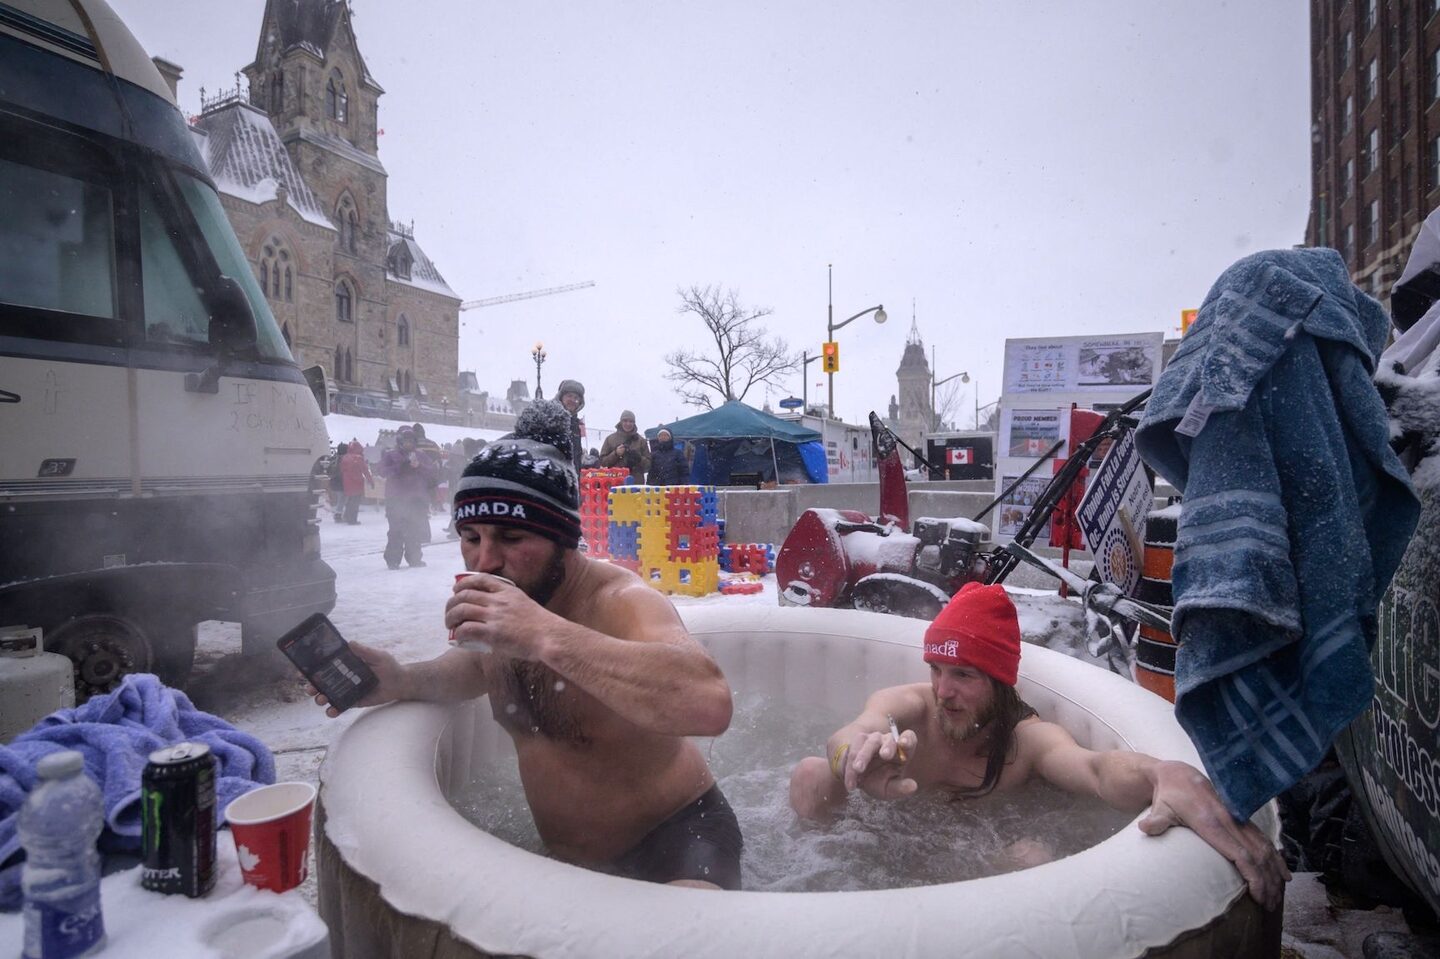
x: 1155, y: 648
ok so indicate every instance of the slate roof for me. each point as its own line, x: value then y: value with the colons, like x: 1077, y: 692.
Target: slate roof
x: 247, y: 160
x: 423, y: 274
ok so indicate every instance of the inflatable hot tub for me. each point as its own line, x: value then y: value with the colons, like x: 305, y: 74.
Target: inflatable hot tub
x: 404, y: 875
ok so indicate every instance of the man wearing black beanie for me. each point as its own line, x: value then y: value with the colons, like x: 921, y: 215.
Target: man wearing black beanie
x: 589, y: 669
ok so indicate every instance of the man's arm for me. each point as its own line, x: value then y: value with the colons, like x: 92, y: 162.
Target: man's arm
x: 455, y: 675
x: 852, y: 750
x: 638, y: 660
x: 1178, y: 795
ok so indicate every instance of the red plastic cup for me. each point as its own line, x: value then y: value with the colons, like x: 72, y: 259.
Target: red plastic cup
x: 271, y: 828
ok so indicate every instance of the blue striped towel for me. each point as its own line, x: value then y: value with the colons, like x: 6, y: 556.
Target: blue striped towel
x: 1296, y: 514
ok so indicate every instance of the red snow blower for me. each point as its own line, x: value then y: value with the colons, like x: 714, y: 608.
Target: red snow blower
x: 846, y: 559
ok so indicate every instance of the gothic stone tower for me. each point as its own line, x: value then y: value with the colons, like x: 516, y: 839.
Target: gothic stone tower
x: 378, y: 315
x: 913, y: 375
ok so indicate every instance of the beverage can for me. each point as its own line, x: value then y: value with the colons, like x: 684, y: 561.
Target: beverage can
x: 177, y: 803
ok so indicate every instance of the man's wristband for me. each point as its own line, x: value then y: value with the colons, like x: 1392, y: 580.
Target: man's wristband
x: 837, y: 760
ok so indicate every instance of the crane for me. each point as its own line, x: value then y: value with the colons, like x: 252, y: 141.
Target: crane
x: 528, y: 294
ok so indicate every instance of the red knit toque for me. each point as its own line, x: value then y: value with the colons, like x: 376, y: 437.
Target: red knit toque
x: 979, y: 628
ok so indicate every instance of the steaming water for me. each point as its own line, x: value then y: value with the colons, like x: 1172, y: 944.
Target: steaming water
x: 872, y: 845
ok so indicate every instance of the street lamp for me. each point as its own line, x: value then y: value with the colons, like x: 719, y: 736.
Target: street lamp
x: 539, y: 354
x: 831, y: 326
x: 444, y: 409
x: 963, y: 377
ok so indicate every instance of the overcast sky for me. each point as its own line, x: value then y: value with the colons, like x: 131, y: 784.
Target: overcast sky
x: 1013, y: 168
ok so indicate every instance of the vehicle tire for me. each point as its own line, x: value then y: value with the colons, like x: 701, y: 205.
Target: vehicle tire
x: 103, y: 647
x: 898, y: 595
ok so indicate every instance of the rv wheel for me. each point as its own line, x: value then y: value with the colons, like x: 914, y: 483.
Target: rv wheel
x: 103, y: 649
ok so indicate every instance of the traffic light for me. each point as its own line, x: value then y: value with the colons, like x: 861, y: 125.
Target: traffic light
x: 830, y: 357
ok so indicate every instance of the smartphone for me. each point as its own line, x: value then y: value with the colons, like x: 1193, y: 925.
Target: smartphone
x: 319, y: 651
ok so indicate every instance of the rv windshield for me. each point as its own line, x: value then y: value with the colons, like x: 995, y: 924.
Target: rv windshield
x: 205, y: 207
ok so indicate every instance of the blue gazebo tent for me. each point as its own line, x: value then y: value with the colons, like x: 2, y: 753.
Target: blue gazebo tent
x: 735, y: 438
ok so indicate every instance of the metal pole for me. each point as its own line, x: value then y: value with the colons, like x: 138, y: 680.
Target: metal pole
x: 830, y: 331
x: 804, y: 383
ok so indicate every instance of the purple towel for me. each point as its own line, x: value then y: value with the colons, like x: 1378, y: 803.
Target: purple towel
x: 116, y: 733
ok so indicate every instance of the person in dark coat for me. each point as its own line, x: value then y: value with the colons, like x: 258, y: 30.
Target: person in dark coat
x: 626, y: 447
x: 667, y: 464
x: 572, y: 397
x: 410, y: 475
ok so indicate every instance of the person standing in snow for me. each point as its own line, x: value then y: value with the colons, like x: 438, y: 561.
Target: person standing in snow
x: 667, y: 464
x: 572, y: 397
x: 588, y: 669
x: 409, y: 477
x: 967, y: 733
x: 355, y: 476
x: 626, y: 447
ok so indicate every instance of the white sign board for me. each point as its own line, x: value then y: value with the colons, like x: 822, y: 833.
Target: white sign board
x: 1112, y: 514
x: 1124, y: 364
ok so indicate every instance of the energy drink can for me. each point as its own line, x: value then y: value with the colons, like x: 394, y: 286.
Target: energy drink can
x: 177, y: 804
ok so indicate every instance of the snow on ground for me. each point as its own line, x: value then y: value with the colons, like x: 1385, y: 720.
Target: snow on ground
x: 400, y: 611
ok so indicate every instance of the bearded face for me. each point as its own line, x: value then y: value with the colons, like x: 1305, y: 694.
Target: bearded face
x: 964, y: 699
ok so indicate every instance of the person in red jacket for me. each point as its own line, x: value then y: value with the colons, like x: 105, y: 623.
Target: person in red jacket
x: 355, y: 476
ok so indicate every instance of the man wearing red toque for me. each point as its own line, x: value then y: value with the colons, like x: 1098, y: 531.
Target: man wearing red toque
x: 967, y: 732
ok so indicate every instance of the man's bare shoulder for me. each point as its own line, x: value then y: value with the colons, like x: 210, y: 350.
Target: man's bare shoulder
x: 909, y: 698
x: 617, y: 602
x: 1035, y: 736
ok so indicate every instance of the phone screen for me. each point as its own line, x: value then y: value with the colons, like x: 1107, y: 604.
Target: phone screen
x: 321, y: 653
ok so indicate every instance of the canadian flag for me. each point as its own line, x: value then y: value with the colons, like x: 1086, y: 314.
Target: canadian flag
x: 959, y: 456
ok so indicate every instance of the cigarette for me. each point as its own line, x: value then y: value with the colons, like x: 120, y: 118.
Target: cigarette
x: 895, y: 732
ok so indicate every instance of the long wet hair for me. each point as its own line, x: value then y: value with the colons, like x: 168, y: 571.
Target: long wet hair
x: 1007, y: 710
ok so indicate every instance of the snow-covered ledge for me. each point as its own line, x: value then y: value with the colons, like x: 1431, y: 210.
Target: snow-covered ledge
x: 402, y: 873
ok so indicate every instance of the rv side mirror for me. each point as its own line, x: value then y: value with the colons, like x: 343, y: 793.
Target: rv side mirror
x: 232, y: 327
x: 315, y: 377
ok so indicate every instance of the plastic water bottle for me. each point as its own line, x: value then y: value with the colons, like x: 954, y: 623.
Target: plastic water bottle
x: 59, y: 824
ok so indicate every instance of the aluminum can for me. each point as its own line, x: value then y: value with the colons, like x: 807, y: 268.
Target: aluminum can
x: 177, y: 805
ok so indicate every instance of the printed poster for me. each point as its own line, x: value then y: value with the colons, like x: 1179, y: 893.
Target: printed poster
x: 1118, y: 362
x: 1015, y: 507
x: 1031, y: 433
x: 1112, y: 514
x: 1037, y: 368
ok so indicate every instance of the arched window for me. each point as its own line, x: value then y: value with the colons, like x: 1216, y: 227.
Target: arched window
x: 344, y: 302
x: 339, y: 364
x: 409, y: 385
x: 349, y: 368
x: 289, y: 288
x: 337, y: 101
x: 399, y: 380
x: 274, y: 257
x: 348, y: 221
x: 403, y: 336
x: 277, y: 93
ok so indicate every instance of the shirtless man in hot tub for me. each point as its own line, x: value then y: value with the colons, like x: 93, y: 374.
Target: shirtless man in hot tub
x: 967, y: 733
x: 589, y: 670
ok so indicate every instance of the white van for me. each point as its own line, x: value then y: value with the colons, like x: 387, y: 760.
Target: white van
x: 157, y: 439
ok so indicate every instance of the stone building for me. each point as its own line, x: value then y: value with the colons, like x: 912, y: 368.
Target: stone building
x: 1375, y: 132
x: 296, y: 161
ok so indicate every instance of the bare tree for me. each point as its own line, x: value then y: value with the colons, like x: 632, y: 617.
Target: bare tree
x: 948, y: 408
x: 740, y: 357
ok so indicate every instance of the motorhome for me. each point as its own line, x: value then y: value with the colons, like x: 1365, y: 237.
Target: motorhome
x: 159, y: 440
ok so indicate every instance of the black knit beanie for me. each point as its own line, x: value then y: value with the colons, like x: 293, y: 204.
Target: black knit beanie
x: 525, y: 479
